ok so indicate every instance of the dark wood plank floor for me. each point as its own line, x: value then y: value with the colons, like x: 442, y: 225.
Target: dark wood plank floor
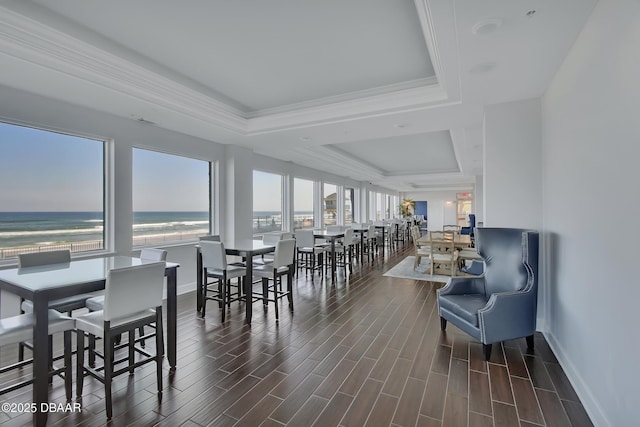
x: 365, y: 351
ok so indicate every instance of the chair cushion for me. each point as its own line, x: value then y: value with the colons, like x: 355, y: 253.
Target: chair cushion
x: 464, y: 306
x: 232, y: 272
x: 315, y: 250
x: 267, y: 270
x: 95, y: 303
x: 63, y: 304
x: 93, y: 322
x: 20, y: 328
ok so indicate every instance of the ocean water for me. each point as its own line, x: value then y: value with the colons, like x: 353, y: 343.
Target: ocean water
x: 19, y: 229
x: 49, y: 228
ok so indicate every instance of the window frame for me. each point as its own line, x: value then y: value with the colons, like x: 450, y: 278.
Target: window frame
x: 213, y: 195
x: 108, y: 154
x: 283, y: 195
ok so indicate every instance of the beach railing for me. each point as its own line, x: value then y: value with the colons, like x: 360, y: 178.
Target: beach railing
x: 94, y: 245
x: 90, y: 245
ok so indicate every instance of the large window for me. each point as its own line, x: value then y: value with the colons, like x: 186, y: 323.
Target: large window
x: 267, y: 202
x: 302, y: 203
x: 330, y: 204
x: 379, y: 206
x: 349, y: 197
x: 52, y: 193
x: 170, y: 197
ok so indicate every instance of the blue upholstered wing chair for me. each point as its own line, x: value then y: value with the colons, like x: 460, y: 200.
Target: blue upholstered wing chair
x: 472, y: 225
x: 501, y: 304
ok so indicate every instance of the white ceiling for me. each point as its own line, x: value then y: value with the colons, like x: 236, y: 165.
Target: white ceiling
x: 390, y: 92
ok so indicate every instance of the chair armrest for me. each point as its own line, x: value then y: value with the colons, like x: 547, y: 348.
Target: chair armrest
x: 508, y: 315
x: 463, y: 285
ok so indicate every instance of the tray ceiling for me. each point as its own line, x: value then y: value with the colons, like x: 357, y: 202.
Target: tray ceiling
x: 387, y: 92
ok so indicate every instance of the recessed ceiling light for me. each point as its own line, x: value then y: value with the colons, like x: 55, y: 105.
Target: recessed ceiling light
x: 486, y: 26
x: 483, y: 67
x: 401, y: 125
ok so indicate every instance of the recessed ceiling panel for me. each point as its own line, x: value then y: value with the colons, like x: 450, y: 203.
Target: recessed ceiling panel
x: 409, y: 154
x: 266, y: 54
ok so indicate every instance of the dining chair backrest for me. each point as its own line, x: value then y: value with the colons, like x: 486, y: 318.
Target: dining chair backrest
x: 348, y: 236
x: 210, y: 238
x: 153, y: 254
x: 274, y: 237
x: 305, y: 238
x: 441, y: 235
x: 372, y: 231
x: 285, y: 252
x: 133, y: 289
x: 213, y: 255
x: 415, y: 235
x: 442, y: 247
x: 43, y: 258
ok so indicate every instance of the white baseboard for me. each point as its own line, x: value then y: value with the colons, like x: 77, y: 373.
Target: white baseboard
x: 590, y: 404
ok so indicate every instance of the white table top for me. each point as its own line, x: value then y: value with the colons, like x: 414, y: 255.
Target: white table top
x: 75, y: 272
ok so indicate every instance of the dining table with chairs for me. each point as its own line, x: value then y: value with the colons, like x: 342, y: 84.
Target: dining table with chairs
x: 245, y: 248
x: 43, y: 284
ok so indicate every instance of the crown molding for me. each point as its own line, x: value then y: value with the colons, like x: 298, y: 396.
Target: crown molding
x: 40, y: 44
x: 344, y: 98
x: 373, y: 106
x: 318, y: 155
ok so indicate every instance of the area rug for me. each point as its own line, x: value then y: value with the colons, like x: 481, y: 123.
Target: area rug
x: 404, y: 270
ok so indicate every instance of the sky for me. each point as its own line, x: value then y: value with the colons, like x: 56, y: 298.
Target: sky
x: 267, y: 191
x: 48, y: 171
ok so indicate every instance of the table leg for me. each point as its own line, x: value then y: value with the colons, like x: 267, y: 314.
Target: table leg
x: 361, y: 246
x: 333, y: 258
x: 248, y: 288
x: 40, y: 358
x: 199, y: 281
x: 383, y: 230
x: 172, y: 316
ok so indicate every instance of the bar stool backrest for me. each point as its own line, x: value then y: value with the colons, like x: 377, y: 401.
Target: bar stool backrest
x: 305, y: 238
x: 213, y: 255
x: 43, y: 258
x: 133, y: 289
x: 153, y: 254
x: 285, y: 251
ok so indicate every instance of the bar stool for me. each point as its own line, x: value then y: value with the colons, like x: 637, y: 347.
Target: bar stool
x: 309, y: 254
x: 214, y: 262
x: 97, y: 303
x: 282, y: 266
x: 133, y: 298
x: 17, y: 329
x: 63, y: 305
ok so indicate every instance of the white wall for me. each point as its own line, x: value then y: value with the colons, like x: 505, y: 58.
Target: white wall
x: 512, y: 164
x: 441, y: 207
x: 478, y: 199
x: 591, y: 147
